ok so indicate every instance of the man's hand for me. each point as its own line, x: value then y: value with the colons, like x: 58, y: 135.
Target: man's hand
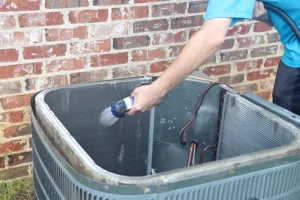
x: 261, y: 14
x: 145, y: 97
x: 259, y: 9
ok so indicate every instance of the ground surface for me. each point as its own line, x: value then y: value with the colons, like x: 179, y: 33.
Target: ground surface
x: 21, y: 189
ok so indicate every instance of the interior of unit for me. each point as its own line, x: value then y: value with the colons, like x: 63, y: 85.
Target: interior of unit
x: 225, y: 125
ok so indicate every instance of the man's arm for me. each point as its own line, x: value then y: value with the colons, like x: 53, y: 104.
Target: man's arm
x: 261, y: 14
x: 200, y: 47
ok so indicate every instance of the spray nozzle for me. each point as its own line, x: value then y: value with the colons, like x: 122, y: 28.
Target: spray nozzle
x: 120, y: 107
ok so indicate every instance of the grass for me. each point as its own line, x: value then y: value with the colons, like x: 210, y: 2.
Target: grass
x: 20, y: 189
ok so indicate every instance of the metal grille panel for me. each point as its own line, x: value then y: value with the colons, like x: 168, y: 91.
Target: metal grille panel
x: 122, y: 148
x: 247, y: 128
x: 281, y: 183
x: 53, y: 181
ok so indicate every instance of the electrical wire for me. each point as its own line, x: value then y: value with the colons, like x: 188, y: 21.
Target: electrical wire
x: 183, y: 131
x: 192, y: 152
x: 268, y: 6
x: 190, y: 155
x: 204, y: 151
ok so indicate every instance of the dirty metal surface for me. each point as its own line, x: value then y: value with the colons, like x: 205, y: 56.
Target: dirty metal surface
x: 173, y: 113
x: 121, y: 148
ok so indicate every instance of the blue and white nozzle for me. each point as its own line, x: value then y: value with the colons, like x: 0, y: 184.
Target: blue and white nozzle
x: 116, y: 111
x: 119, y: 108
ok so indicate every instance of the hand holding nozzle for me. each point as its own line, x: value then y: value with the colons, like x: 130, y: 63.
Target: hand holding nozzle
x: 145, y: 97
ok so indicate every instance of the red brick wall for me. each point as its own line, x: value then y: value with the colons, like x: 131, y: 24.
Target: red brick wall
x: 45, y: 43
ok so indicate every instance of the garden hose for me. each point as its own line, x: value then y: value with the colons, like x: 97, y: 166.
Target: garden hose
x: 286, y: 17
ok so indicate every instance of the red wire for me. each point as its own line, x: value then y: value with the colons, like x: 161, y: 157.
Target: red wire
x: 191, y: 153
x: 186, y: 127
x: 204, y: 151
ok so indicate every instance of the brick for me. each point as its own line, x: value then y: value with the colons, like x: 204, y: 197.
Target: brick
x: 66, y: 4
x: 88, y: 76
x: 17, y: 130
x: 228, y: 44
x: 131, y: 42
x: 20, y: 158
x: 41, y: 19
x: 267, y: 84
x: 265, y: 95
x: 197, y: 6
x: 15, y: 172
x: 11, y: 146
x: 247, y: 88
x: 151, y: 25
x: 88, y: 16
x: 273, y: 37
x: 78, y: 48
x: 159, y: 66
x: 45, y: 82
x: 185, y: 22
x: 15, y: 71
x: 21, y: 37
x: 250, y: 41
x: 234, y: 79
x: 10, y: 87
x: 65, y: 64
x: 135, y: 12
x: 261, y: 27
x: 175, y: 50
x: 7, y: 22
x: 169, y: 38
x: 233, y: 55
x: 146, y: 1
x: 108, y: 30
x: 2, y: 164
x: 149, y: 54
x: 15, y: 101
x: 217, y: 70
x: 109, y: 59
x: 258, y: 75
x: 272, y: 62
x: 18, y: 36
x: 109, y: 2
x: 31, y: 84
x: 53, y: 81
x: 9, y: 55
x: 19, y: 5
x: 168, y: 9
x: 129, y: 71
x: 12, y: 116
x: 62, y: 34
x: 46, y: 51
x: 264, y: 51
x: 241, y: 29
x: 248, y: 65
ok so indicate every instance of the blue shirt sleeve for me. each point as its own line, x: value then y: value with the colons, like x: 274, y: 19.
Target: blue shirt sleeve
x: 235, y: 9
